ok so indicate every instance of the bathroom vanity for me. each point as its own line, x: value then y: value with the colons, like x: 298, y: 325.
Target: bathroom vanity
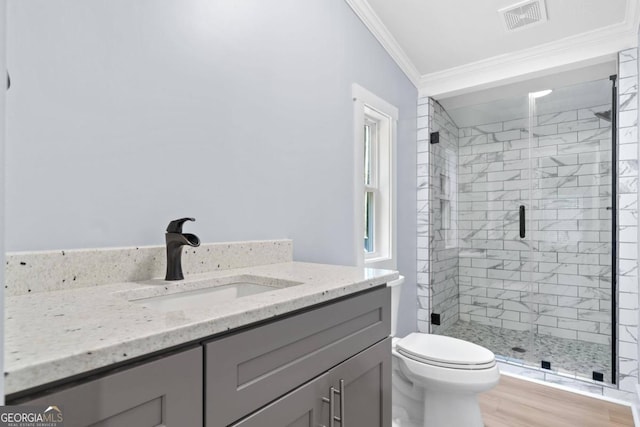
x: 300, y: 355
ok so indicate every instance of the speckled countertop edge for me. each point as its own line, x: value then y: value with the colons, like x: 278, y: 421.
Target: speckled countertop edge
x: 54, y: 335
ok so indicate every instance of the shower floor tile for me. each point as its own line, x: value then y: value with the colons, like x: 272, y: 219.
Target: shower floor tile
x: 571, y: 357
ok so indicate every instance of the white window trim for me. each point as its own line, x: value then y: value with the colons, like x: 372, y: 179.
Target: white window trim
x: 362, y: 101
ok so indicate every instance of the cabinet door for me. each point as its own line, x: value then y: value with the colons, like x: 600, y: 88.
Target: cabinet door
x: 363, y: 384
x: 365, y: 388
x: 164, y: 392
x: 303, y: 407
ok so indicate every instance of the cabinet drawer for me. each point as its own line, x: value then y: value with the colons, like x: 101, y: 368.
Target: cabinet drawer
x: 249, y: 369
x: 164, y: 392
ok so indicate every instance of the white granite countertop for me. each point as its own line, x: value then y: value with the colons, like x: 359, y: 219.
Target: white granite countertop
x: 53, y: 335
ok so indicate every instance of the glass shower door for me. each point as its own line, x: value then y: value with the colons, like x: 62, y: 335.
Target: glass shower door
x: 570, y: 229
x: 521, y: 242
x: 444, y: 222
x: 479, y: 172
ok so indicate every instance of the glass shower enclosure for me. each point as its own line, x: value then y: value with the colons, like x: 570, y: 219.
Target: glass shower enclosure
x: 522, y: 247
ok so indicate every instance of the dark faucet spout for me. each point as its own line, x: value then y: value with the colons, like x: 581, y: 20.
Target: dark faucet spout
x: 175, y: 241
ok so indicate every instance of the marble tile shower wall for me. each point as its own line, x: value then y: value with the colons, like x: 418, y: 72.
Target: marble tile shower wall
x: 564, y: 284
x: 444, y: 215
x: 628, y: 220
x: 425, y: 113
x: 628, y: 310
x: 442, y: 176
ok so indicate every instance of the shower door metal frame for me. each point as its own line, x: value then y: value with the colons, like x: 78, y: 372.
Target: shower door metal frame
x: 614, y: 228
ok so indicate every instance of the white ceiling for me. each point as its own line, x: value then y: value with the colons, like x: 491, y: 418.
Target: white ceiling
x: 437, y: 35
x: 452, y: 47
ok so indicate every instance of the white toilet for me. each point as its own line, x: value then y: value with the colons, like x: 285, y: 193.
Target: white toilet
x: 436, y: 378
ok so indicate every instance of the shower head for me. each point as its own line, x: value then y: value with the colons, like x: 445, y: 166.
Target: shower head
x: 604, y: 115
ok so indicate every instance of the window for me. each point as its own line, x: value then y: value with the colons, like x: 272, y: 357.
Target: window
x: 375, y: 122
x: 370, y: 182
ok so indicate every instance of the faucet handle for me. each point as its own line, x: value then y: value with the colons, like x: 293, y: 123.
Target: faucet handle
x: 175, y: 226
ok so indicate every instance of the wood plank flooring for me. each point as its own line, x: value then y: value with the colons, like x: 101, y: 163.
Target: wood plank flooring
x: 520, y: 403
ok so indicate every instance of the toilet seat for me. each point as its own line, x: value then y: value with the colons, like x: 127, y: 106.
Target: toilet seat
x: 445, y: 352
x: 447, y: 379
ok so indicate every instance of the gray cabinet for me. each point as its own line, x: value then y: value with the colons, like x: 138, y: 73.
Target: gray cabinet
x: 300, y: 408
x: 164, y: 392
x: 366, y: 387
x: 359, y: 390
x: 288, y: 372
x: 249, y: 369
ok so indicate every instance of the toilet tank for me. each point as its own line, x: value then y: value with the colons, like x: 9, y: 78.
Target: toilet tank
x: 396, y: 287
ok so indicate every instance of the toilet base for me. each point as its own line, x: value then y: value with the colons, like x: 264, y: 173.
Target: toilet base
x: 442, y: 409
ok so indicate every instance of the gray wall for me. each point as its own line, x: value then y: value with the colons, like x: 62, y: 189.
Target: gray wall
x: 125, y: 114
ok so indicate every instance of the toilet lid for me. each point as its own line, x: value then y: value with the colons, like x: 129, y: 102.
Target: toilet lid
x: 444, y: 351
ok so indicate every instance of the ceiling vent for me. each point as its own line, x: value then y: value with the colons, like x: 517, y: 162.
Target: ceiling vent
x: 523, y: 15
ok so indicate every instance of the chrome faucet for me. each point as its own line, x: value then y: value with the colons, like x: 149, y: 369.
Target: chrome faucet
x: 176, y: 239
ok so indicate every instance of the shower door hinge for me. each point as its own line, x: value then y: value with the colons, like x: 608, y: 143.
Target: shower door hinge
x: 435, y: 318
x: 434, y: 137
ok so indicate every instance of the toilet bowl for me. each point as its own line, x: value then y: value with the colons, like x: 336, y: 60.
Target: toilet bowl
x: 436, y: 379
x: 407, y: 397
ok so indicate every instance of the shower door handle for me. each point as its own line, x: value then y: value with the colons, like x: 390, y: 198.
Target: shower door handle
x: 522, y: 220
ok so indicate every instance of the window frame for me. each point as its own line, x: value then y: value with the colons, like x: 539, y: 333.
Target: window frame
x: 370, y: 108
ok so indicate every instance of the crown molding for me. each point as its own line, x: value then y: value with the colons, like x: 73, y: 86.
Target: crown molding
x: 588, y: 48
x: 371, y: 20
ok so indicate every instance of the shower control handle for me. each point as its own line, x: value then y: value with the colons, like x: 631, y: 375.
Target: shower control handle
x: 522, y: 221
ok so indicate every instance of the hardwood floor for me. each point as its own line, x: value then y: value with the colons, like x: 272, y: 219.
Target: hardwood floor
x: 520, y: 403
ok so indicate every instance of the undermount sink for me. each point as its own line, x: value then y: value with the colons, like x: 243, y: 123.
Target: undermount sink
x: 202, y: 294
